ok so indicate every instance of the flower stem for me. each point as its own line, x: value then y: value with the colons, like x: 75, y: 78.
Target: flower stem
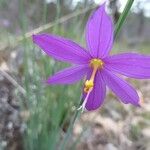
x: 123, y: 16
x: 70, y: 128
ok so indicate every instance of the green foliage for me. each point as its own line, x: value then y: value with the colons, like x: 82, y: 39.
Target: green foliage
x: 135, y: 132
x: 50, y: 107
x: 3, y: 3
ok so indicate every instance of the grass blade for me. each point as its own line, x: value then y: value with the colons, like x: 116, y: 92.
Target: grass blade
x: 123, y: 16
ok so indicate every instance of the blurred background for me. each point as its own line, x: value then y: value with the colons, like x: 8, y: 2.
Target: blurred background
x: 37, y: 117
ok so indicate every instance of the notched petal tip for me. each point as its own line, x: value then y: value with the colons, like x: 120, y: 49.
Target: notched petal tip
x: 103, y: 5
x: 137, y: 104
x: 33, y: 36
x: 46, y: 82
x: 140, y: 103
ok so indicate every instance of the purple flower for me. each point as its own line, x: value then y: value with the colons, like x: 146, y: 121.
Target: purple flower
x: 95, y: 63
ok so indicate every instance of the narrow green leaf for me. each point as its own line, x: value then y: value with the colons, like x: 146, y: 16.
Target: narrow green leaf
x: 123, y: 16
x: 70, y: 128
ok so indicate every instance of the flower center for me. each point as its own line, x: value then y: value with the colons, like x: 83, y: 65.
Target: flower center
x: 95, y: 64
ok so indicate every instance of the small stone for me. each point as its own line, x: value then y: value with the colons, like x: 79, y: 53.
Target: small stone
x: 4, y: 143
x: 110, y: 146
x: 146, y: 132
x: 10, y: 125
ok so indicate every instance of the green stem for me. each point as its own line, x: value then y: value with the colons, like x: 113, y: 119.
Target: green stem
x: 123, y: 16
x: 70, y: 129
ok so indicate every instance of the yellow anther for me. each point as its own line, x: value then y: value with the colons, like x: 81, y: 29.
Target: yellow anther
x: 89, y: 83
x: 96, y: 63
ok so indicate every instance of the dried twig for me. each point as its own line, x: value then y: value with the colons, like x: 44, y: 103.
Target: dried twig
x: 13, y: 81
x: 45, y: 27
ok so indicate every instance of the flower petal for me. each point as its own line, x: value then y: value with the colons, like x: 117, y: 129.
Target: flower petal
x: 97, y: 95
x: 61, y: 49
x: 68, y: 75
x: 121, y: 88
x: 130, y: 64
x: 99, y: 33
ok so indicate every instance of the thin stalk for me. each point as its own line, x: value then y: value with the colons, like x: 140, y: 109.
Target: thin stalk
x: 123, y: 16
x: 70, y: 129
x: 45, y: 13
